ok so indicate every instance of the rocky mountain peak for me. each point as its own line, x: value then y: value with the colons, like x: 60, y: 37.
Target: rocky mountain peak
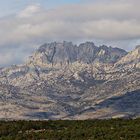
x: 66, y: 53
x: 67, y: 81
x: 131, y: 60
x: 138, y: 47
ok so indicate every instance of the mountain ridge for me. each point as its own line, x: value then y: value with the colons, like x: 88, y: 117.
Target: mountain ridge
x: 66, y: 52
x: 66, y: 81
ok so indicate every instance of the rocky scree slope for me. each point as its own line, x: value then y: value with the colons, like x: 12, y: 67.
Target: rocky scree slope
x: 67, y: 81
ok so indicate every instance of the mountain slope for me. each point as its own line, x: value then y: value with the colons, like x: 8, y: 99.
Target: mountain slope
x: 131, y: 60
x: 66, y: 81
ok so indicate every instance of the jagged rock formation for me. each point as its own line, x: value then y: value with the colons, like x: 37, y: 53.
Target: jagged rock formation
x: 66, y: 81
x: 66, y: 53
x: 132, y: 60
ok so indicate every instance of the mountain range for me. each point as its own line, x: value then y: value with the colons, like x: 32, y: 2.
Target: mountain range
x: 62, y: 80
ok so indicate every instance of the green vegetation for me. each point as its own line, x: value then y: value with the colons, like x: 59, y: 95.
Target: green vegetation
x: 117, y: 129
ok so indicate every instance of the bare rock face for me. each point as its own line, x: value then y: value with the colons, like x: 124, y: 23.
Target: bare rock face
x: 66, y: 53
x: 67, y: 81
x: 131, y: 60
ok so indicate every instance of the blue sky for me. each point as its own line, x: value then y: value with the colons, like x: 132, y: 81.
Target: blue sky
x: 8, y: 7
x: 27, y: 24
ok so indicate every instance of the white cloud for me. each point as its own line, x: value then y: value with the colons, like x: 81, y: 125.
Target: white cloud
x: 100, y: 21
x: 107, y: 20
x: 29, y: 11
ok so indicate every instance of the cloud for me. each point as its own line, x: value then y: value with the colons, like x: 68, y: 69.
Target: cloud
x: 107, y: 20
x: 91, y: 20
x: 29, y: 11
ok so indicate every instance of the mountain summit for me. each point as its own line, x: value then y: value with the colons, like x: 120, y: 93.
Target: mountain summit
x: 67, y: 52
x: 131, y: 60
x: 67, y: 81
